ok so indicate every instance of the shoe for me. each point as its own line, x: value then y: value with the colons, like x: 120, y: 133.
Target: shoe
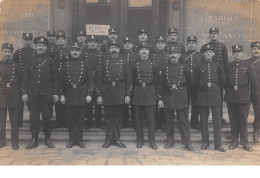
x: 32, y: 144
x: 106, y: 144
x: 168, y: 145
x: 81, y: 144
x: 49, y: 143
x: 256, y: 136
x: 247, y: 148
x: 220, y: 148
x: 119, y: 144
x: 189, y: 147
x: 228, y: 136
x: 2, y: 144
x: 139, y: 144
x: 204, y: 146
x: 70, y: 144
x: 233, y: 146
x: 153, y: 146
x: 15, y: 146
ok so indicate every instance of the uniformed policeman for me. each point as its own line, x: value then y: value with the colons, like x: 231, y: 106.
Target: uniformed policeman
x: 60, y: 57
x: 81, y: 39
x: 159, y: 56
x: 143, y: 39
x: 112, y: 36
x: 191, y: 58
x: 40, y: 88
x: 21, y: 56
x: 175, y: 79
x: 209, y: 77
x: 130, y: 56
x: 76, y: 90
x: 52, y: 47
x: 10, y: 95
x: 255, y: 48
x: 221, y: 54
x: 114, y: 88
x: 145, y: 81
x: 173, y: 40
x: 94, y: 58
x: 240, y: 76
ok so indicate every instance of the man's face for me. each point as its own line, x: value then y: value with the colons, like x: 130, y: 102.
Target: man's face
x: 208, y: 54
x: 27, y: 42
x: 81, y: 38
x: 112, y: 36
x: 92, y: 44
x: 41, y: 48
x: 75, y: 53
x: 255, y: 51
x: 238, y: 55
x: 128, y: 45
x: 172, y: 37
x: 7, y: 54
x: 144, y: 52
x: 214, y: 36
x: 174, y: 56
x: 113, y: 49
x: 51, y: 38
x: 160, y: 45
x: 143, y: 37
x: 61, y: 41
x: 192, y: 45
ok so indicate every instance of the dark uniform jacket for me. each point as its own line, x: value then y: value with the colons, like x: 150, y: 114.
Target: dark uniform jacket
x: 170, y: 44
x: 94, y: 58
x: 145, y: 82
x: 21, y: 56
x: 176, y: 78
x: 160, y: 58
x: 61, y: 55
x: 52, y: 50
x: 209, y: 77
x: 255, y: 61
x: 130, y: 56
x: 10, y: 84
x: 221, y: 53
x: 76, y: 81
x: 191, y: 59
x: 114, y: 81
x: 40, y: 76
x: 239, y: 76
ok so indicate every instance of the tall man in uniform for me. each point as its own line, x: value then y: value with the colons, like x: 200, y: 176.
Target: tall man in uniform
x: 40, y: 88
x: 130, y: 56
x: 76, y: 90
x: 21, y: 56
x: 114, y: 88
x: 240, y: 76
x: 10, y: 95
x: 209, y: 77
x: 255, y: 61
x: 52, y: 47
x: 175, y: 80
x: 145, y: 82
x: 112, y: 36
x: 143, y: 39
x: 159, y: 56
x: 220, y: 57
x: 191, y: 58
x: 94, y: 58
x: 60, y: 57
x: 173, y: 40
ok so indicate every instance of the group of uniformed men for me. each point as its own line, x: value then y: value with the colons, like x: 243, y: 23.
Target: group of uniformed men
x: 158, y: 82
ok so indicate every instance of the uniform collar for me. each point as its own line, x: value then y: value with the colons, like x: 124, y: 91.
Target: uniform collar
x: 191, y: 51
x: 207, y: 61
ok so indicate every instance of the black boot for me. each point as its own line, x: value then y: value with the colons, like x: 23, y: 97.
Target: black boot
x: 15, y: 145
x: 34, y: 141
x: 48, y: 141
x: 71, y: 141
x: 256, y: 135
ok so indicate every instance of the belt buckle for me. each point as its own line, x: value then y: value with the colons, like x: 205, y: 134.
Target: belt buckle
x: 143, y: 84
x: 235, y: 87
x: 113, y: 84
x: 174, y: 87
x: 8, y: 85
x: 74, y: 85
x: 209, y: 85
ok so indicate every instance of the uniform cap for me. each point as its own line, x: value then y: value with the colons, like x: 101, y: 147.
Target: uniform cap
x: 255, y: 44
x: 61, y: 33
x: 27, y: 36
x: 213, y: 29
x: 41, y: 39
x: 51, y: 33
x: 207, y: 47
x: 172, y: 30
x: 192, y: 38
x: 7, y: 46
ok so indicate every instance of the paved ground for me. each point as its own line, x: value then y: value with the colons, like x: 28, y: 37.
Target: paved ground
x: 93, y: 154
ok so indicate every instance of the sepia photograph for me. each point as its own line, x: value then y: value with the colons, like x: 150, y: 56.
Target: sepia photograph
x: 129, y: 83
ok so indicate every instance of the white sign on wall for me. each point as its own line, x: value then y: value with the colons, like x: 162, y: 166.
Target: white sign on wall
x: 97, y: 30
